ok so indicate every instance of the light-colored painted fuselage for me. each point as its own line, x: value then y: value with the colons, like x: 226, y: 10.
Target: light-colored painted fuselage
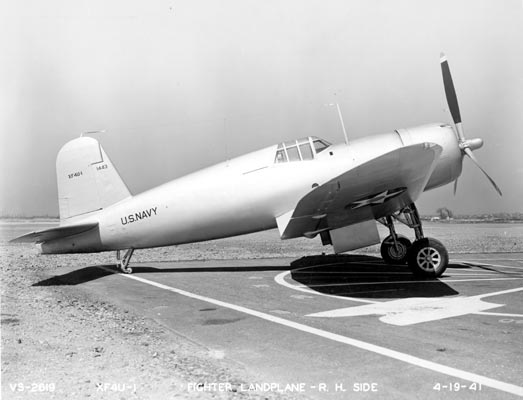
x: 243, y: 195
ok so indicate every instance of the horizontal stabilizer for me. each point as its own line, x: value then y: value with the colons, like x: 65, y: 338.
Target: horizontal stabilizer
x: 54, y: 233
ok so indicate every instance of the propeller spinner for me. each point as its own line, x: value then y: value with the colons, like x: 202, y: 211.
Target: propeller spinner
x: 466, y: 146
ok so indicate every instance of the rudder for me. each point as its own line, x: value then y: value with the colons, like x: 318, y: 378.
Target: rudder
x: 87, y: 179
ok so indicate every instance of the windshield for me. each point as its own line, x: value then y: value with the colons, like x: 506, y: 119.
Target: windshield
x: 300, y: 149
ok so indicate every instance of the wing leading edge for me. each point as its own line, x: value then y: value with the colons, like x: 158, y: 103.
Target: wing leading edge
x: 369, y: 191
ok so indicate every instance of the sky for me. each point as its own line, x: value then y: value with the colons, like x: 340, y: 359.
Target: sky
x: 181, y: 85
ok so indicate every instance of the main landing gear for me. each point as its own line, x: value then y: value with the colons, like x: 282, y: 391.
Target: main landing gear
x: 426, y: 257
x: 123, y: 263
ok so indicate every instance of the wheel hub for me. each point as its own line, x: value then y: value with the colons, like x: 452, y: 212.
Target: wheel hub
x: 397, y: 253
x: 428, y: 258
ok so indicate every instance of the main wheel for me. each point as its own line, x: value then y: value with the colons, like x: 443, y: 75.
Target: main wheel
x: 393, y: 255
x: 428, y: 258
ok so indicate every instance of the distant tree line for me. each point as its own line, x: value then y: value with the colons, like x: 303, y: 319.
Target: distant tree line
x: 24, y: 216
x: 444, y: 213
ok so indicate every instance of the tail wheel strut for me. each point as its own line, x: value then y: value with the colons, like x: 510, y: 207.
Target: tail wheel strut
x: 123, y: 263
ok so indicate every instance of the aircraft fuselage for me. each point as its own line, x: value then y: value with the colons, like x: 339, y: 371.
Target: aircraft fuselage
x: 242, y: 195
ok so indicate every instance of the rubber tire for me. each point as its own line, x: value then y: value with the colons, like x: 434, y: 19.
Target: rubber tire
x: 425, y: 252
x: 387, y: 247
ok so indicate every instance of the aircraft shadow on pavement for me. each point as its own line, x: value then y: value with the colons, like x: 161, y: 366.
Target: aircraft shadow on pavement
x: 221, y: 268
x: 92, y: 273
x: 341, y: 275
x: 76, y: 277
x: 364, y: 276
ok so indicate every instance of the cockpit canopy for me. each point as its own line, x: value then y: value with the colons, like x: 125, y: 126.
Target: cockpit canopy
x: 300, y: 150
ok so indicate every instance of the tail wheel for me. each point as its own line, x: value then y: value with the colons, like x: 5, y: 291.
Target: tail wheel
x: 428, y: 258
x: 123, y: 263
x: 393, y: 254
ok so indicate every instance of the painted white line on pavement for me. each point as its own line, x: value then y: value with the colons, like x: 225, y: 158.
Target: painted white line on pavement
x: 499, y: 293
x: 479, y: 264
x: 499, y: 314
x: 299, y: 287
x: 496, y: 259
x: 443, y: 369
x: 472, y: 273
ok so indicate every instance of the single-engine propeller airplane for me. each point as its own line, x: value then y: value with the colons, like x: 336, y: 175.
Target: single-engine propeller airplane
x: 305, y: 187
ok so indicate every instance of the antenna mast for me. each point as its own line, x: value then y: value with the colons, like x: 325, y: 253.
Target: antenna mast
x: 342, y: 124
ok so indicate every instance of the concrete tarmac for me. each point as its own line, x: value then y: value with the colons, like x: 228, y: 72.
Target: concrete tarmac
x: 347, y: 327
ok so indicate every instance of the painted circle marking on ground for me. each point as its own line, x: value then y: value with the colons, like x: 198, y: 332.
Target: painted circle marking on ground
x: 280, y: 279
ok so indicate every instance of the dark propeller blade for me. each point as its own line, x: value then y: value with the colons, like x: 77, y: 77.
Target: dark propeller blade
x: 450, y: 92
x: 466, y: 146
x: 469, y: 153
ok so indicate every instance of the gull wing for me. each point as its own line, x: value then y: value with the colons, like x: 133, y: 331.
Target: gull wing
x: 369, y: 191
x: 54, y: 233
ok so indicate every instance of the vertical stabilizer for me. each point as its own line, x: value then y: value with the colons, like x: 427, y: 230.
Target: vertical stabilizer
x: 87, y: 179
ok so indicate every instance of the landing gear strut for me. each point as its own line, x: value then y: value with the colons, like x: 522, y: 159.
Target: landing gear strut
x: 123, y: 263
x: 426, y: 257
x: 395, y: 247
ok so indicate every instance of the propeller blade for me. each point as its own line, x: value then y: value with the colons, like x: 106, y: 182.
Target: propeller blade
x: 469, y: 153
x: 450, y: 92
x: 455, y: 186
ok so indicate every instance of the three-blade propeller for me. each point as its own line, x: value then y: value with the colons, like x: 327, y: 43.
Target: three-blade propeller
x: 466, y: 146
